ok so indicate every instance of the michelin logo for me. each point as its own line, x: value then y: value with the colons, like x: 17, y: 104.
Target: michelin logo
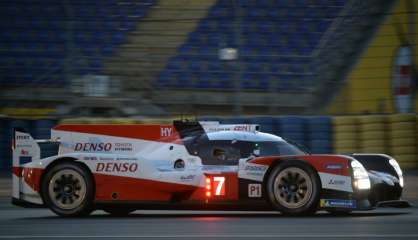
x: 337, y: 203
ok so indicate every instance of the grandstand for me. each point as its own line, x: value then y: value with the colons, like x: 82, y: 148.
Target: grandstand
x: 43, y: 41
x: 151, y: 57
x: 288, y: 65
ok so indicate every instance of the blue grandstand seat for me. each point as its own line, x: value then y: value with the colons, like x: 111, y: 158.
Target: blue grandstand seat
x: 173, y: 65
x: 204, y: 81
x: 164, y: 79
x: 195, y: 66
x: 214, y: 66
x: 213, y: 40
x: 206, y: 25
x: 182, y: 79
x: 205, y: 51
x: 185, y: 49
x: 42, y: 34
x: 254, y: 81
x: 226, y: 80
x: 268, y: 30
x: 253, y: 67
x: 224, y: 25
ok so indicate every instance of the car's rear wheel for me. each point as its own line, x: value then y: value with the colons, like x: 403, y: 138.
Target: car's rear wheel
x: 68, y: 190
x: 294, y: 188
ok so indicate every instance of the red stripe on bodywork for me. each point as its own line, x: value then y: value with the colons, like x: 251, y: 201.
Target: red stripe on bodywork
x: 161, y: 133
x: 17, y: 171
x: 128, y: 188
x: 322, y: 163
x: 32, y: 176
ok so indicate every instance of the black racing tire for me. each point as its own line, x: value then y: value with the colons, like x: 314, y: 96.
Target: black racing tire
x: 119, y: 211
x: 299, y: 194
x: 68, y: 190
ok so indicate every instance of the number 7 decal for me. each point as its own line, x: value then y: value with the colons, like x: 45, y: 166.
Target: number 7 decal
x: 219, y: 186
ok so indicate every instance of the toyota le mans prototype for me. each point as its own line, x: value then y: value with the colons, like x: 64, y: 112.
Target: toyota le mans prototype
x: 194, y: 165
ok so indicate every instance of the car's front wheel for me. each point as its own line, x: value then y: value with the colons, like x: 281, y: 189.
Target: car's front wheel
x: 68, y: 190
x: 294, y: 188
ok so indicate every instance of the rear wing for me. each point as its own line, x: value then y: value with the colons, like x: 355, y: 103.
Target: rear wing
x: 215, y: 126
x: 186, y: 128
x: 25, y: 148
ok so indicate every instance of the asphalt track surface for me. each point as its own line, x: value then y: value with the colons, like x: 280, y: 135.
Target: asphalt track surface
x: 385, y: 223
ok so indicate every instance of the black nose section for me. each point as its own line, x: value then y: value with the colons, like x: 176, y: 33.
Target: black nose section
x: 394, y: 204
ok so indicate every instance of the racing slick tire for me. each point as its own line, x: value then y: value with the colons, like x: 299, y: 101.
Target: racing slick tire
x: 294, y: 188
x: 68, y: 190
x: 119, y: 211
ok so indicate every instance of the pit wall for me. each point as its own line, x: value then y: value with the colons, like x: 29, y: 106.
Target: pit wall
x: 394, y: 134
x: 368, y: 87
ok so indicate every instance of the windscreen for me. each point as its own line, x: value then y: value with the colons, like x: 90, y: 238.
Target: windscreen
x: 277, y: 148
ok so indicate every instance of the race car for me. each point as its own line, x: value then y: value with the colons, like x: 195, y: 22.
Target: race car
x: 194, y: 165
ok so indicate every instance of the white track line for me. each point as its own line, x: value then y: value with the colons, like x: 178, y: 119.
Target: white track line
x: 415, y: 236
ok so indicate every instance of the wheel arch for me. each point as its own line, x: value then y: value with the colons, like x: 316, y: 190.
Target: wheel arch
x: 312, y: 204
x: 62, y: 160
x: 277, y: 162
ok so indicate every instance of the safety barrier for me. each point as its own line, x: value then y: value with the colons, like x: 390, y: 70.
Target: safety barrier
x: 318, y: 134
x: 372, y: 134
x: 395, y: 135
x: 292, y: 128
x: 403, y: 139
x: 345, y: 134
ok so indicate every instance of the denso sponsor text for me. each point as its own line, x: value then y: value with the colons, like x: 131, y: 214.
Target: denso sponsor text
x: 93, y: 147
x: 116, y: 167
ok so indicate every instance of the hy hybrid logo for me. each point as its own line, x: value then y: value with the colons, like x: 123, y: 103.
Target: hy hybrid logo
x: 166, y: 131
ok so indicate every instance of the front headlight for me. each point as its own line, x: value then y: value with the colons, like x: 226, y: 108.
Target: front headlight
x: 360, y: 175
x: 398, y: 170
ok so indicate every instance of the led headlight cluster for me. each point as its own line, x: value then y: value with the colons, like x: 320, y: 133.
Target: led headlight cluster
x: 360, y: 175
x: 398, y: 170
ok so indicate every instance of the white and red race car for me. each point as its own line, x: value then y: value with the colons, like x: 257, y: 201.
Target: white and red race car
x: 194, y: 165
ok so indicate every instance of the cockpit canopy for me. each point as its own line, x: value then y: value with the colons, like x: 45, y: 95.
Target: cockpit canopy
x: 227, y: 147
